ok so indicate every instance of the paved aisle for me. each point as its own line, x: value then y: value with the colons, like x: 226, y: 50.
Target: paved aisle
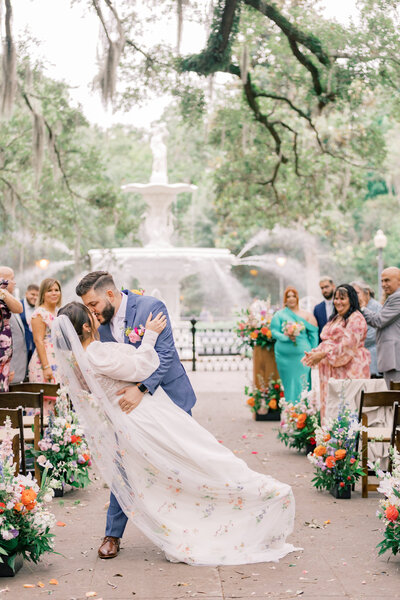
x: 338, y: 561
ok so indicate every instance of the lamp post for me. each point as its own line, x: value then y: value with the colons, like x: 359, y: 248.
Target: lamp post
x: 380, y: 241
x: 281, y: 261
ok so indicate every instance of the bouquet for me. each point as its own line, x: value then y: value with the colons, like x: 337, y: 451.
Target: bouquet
x: 299, y: 421
x: 254, y: 326
x: 292, y: 328
x: 63, y: 448
x: 335, y: 457
x: 25, y: 522
x: 389, y: 507
x: 267, y: 399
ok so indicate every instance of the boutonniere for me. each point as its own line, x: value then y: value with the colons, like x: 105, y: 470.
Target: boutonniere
x: 135, y: 334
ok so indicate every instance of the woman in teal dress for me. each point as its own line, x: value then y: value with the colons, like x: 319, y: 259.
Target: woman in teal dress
x: 295, y: 332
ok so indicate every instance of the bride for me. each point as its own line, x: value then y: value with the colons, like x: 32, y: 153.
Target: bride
x: 187, y: 493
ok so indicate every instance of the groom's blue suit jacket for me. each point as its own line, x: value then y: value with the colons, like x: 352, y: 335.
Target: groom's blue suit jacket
x: 170, y: 375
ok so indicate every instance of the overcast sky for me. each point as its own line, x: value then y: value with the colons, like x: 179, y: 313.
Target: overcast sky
x: 69, y: 36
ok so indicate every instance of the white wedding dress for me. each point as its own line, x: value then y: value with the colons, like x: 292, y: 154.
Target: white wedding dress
x: 189, y: 495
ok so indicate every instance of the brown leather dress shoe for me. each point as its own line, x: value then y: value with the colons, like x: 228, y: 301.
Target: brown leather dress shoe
x: 109, y: 547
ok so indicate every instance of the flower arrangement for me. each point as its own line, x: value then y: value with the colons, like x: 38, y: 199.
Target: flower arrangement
x: 267, y: 399
x: 389, y: 507
x: 254, y: 326
x: 135, y: 335
x: 292, y: 328
x: 335, y: 457
x: 63, y: 448
x: 299, y: 422
x: 25, y: 522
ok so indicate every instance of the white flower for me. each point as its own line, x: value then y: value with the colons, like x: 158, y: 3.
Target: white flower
x: 48, y: 496
x: 6, y: 534
x: 55, y: 448
x: 41, y: 460
x: 10, y: 504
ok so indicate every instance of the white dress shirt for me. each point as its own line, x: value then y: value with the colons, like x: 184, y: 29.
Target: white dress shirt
x: 28, y: 310
x: 117, y: 323
x: 328, y: 307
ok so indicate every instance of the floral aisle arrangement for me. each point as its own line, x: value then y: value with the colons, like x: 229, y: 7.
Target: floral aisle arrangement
x: 267, y: 399
x: 389, y: 507
x: 63, y: 448
x: 25, y: 522
x: 299, y: 422
x: 254, y: 325
x: 335, y: 458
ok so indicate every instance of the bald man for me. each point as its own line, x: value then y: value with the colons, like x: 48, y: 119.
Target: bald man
x: 387, y: 325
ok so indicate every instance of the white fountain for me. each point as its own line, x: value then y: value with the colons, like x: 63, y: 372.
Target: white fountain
x: 158, y: 265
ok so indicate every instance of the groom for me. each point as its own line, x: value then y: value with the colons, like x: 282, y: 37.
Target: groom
x: 119, y: 312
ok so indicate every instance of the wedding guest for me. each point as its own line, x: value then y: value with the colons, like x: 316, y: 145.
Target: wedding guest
x: 341, y: 354
x: 295, y: 331
x: 42, y: 366
x: 8, y: 306
x: 387, y: 325
x: 366, y: 298
x: 29, y: 304
x: 324, y: 310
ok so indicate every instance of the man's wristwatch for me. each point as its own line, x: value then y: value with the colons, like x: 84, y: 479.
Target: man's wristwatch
x: 142, y: 388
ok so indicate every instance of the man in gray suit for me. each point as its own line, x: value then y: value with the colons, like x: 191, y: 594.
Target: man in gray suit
x: 19, y: 360
x: 387, y: 325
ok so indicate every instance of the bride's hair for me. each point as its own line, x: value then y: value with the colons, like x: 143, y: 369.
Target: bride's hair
x: 79, y: 315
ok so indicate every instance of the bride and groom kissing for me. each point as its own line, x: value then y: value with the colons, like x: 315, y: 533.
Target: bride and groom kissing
x: 185, y: 491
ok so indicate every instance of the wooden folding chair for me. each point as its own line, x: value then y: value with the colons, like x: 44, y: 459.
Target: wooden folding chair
x: 383, y: 434
x: 27, y: 400
x: 395, y: 385
x: 49, y: 392
x: 18, y: 442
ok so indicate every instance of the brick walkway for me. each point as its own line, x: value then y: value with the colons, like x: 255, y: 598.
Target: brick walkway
x: 338, y: 561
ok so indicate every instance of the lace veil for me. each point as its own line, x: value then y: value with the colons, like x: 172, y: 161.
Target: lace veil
x: 94, y: 410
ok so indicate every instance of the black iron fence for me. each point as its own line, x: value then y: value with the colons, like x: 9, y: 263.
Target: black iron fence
x: 208, y: 347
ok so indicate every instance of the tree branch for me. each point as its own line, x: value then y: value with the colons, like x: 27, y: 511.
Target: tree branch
x: 56, y: 150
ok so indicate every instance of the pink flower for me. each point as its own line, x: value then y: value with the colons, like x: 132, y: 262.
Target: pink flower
x: 134, y: 337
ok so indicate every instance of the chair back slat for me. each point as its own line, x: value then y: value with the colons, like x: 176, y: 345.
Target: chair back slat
x: 49, y: 389
x: 372, y: 399
x: 16, y: 418
x: 395, y: 385
x: 24, y: 399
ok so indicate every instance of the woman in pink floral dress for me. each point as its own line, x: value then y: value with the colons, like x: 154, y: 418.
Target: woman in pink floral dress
x: 42, y: 366
x: 341, y: 354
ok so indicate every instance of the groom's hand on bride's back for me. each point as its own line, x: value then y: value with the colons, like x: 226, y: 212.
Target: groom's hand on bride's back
x: 131, y: 397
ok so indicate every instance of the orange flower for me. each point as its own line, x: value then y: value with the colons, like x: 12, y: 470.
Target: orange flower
x: 301, y: 421
x: 264, y: 330
x: 391, y: 513
x: 294, y: 415
x: 86, y: 457
x: 28, y: 496
x: 273, y: 404
x: 330, y: 462
x: 340, y: 454
x: 320, y: 451
x: 18, y: 506
x: 327, y: 437
x: 254, y: 335
x: 269, y: 334
x: 251, y: 401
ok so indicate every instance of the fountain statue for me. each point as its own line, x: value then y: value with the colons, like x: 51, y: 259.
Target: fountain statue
x: 159, y: 266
